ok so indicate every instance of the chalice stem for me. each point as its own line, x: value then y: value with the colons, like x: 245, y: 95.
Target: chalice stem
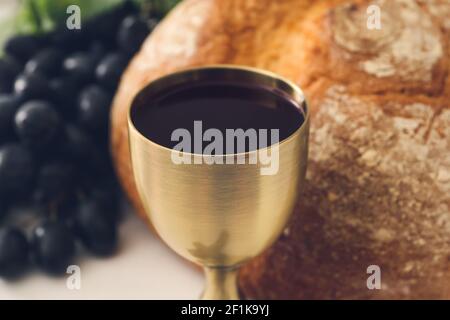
x: 221, y: 284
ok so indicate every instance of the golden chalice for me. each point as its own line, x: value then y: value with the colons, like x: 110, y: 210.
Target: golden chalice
x: 219, y: 215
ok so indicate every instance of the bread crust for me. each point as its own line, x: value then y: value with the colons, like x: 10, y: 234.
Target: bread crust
x: 378, y: 190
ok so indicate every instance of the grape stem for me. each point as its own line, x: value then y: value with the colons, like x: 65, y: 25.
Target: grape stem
x: 34, y: 14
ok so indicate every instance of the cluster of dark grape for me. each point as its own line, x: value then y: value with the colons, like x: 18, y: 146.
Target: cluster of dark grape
x: 55, y: 96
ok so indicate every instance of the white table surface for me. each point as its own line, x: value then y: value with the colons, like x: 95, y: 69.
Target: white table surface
x: 142, y: 269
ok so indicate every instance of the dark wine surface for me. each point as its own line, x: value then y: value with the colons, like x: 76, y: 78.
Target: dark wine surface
x: 217, y: 105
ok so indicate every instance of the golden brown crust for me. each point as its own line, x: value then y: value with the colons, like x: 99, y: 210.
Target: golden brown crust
x: 379, y: 171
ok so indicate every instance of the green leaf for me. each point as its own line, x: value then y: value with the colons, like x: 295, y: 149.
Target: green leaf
x: 56, y: 10
x: 6, y: 28
x: 43, y: 15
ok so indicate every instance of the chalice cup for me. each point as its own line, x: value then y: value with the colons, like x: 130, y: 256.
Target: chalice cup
x: 215, y: 215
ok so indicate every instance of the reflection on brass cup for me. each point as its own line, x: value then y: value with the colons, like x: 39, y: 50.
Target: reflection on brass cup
x: 219, y: 216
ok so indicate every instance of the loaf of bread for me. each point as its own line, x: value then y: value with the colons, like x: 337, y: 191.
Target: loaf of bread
x: 378, y: 190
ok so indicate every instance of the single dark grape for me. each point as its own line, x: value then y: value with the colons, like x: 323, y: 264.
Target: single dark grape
x: 99, y: 168
x: 93, y: 108
x: 14, y: 251
x: 96, y: 230
x: 3, y: 208
x: 77, y: 145
x: 31, y: 86
x: 9, y: 70
x: 23, y: 47
x: 97, y: 50
x: 46, y: 62
x: 106, y: 195
x: 53, y: 247
x: 132, y: 33
x: 80, y: 66
x: 110, y: 69
x: 16, y: 170
x: 8, y: 107
x: 104, y: 26
x: 67, y: 209
x: 53, y: 181
x: 37, y: 124
x: 70, y: 40
x: 64, y: 91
